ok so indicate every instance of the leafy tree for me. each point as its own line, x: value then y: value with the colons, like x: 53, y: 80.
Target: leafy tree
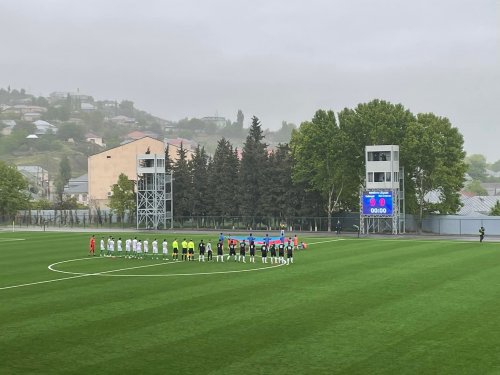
x: 42, y: 204
x: 41, y: 101
x: 284, y: 133
x: 318, y: 160
x: 126, y: 108
x: 476, y: 166
x: 253, y: 163
x: 495, y: 166
x: 71, y: 130
x: 376, y: 122
x: 475, y: 187
x: 123, y: 197
x: 434, y: 155
x: 495, y: 210
x: 13, y: 193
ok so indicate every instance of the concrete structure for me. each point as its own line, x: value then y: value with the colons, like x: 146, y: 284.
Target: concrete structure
x: 382, y: 185
x: 105, y: 167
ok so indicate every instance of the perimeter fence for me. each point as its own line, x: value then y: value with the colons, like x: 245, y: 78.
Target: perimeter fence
x: 349, y: 222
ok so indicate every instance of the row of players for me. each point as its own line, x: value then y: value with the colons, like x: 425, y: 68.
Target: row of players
x: 140, y: 250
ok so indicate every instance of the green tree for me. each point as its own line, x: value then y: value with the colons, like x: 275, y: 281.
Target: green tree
x: 476, y: 166
x: 475, y: 187
x: 434, y: 155
x: 198, y: 167
x: 71, y: 131
x: 62, y: 178
x: 253, y: 163
x: 182, y: 188
x: 495, y: 166
x: 282, y: 197
x: 319, y: 162
x: 126, y: 108
x: 13, y: 190
x: 222, y: 180
x: 123, y: 197
x: 495, y: 210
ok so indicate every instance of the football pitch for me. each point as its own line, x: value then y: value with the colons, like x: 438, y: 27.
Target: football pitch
x: 348, y: 306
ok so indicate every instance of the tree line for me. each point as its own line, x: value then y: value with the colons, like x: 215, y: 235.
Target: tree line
x: 321, y: 171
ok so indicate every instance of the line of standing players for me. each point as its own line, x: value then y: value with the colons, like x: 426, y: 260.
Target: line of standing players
x: 135, y: 248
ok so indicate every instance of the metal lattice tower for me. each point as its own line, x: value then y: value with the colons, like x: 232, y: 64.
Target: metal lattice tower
x: 154, y: 192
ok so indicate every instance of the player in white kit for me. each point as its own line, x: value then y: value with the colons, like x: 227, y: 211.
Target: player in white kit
x: 128, y: 243
x: 119, y: 246
x: 138, y: 250
x: 103, y: 248
x: 112, y: 247
x: 165, y: 249
x: 134, y: 246
x: 155, y: 248
x: 145, y: 248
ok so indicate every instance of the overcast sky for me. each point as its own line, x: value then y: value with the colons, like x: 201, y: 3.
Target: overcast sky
x: 276, y: 59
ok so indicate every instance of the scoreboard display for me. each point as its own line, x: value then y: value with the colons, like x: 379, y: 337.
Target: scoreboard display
x: 377, y: 203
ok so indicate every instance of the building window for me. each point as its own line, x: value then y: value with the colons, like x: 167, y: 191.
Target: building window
x: 370, y: 176
x: 396, y: 155
x: 388, y: 176
x: 379, y: 176
x: 396, y: 177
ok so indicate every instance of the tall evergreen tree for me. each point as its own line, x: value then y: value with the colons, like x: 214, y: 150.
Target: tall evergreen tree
x: 198, y: 167
x: 281, y: 198
x: 223, y: 180
x: 253, y: 166
x: 181, y: 184
x: 62, y: 178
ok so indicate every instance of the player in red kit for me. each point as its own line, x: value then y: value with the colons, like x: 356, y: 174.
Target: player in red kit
x: 92, y: 245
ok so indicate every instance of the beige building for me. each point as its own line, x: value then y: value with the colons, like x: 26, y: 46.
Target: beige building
x: 105, y: 167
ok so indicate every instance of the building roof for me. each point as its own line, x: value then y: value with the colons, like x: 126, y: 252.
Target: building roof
x: 478, y: 205
x: 77, y: 188
x: 136, y: 134
x: 127, y: 143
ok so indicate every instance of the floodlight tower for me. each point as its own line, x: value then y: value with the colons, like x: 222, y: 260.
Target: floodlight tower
x: 382, y: 198
x: 154, y: 192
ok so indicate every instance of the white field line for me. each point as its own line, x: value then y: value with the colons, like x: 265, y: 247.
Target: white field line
x: 11, y: 239
x: 188, y: 274
x: 42, y: 282
x: 51, y: 267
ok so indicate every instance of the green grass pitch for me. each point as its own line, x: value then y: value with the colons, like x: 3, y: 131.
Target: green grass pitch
x: 354, y: 306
